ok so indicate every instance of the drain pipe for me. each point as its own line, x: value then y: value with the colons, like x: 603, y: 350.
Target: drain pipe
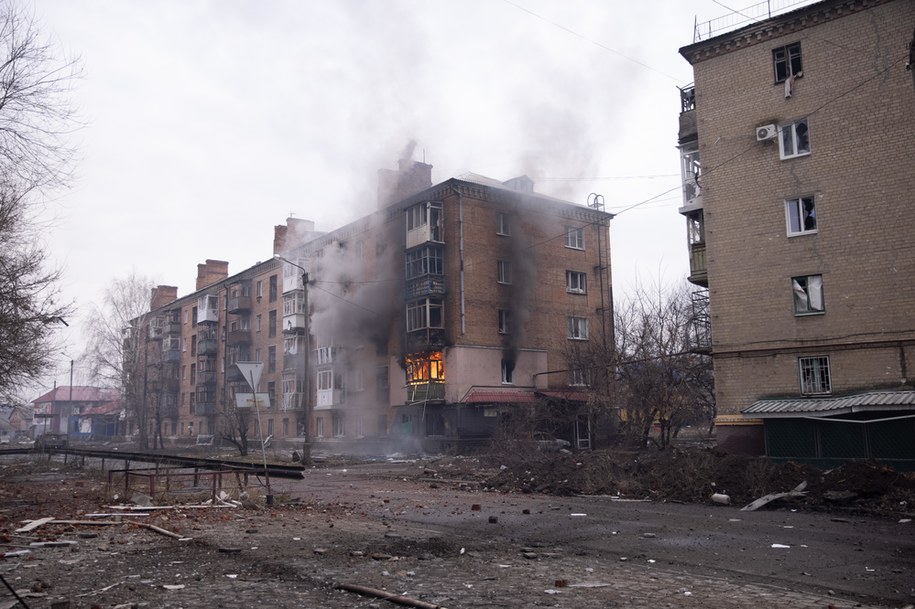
x: 461, y: 248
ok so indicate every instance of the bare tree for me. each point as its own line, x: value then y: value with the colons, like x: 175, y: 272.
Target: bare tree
x: 661, y: 380
x: 35, y: 119
x: 118, y: 351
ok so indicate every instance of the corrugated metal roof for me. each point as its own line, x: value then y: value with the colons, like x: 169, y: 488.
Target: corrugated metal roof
x: 498, y: 397
x: 871, y: 400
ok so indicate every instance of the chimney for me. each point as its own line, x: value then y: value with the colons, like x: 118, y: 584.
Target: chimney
x: 162, y: 295
x: 210, y: 272
x: 521, y: 184
x: 410, y: 178
x: 293, y: 234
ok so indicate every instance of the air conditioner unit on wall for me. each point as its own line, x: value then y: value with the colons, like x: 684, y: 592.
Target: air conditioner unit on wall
x: 766, y: 132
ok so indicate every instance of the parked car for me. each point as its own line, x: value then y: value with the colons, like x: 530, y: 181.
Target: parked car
x: 48, y: 441
x: 547, y: 442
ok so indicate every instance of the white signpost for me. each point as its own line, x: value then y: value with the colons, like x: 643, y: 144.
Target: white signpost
x: 252, y: 373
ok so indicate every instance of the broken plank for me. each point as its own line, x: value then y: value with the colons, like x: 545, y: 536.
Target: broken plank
x: 34, y: 524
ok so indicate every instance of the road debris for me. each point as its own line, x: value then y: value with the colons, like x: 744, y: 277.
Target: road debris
x: 797, y: 491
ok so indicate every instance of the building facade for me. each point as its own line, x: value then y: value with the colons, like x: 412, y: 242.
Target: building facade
x: 422, y: 324
x: 797, y: 142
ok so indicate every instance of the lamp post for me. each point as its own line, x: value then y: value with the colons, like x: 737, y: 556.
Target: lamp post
x: 306, y: 388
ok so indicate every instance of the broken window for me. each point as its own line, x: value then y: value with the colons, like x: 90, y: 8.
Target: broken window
x: 425, y: 367
x: 271, y: 323
x: 424, y: 261
x: 808, y: 294
x: 337, y: 421
x: 787, y: 61
x: 273, y: 288
x: 504, y: 319
x: 814, y: 375
x: 801, y: 215
x: 689, y: 171
x: 425, y: 313
x: 271, y: 359
x: 575, y: 238
x: 503, y: 271
x: 578, y: 328
x: 508, y: 369
x: 794, y: 140
x: 576, y: 282
x: 428, y: 216
x: 695, y: 227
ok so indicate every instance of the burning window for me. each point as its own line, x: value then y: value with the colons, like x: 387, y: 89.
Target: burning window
x: 425, y: 367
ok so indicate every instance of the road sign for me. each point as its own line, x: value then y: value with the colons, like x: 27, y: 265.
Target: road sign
x: 252, y: 372
x: 246, y: 400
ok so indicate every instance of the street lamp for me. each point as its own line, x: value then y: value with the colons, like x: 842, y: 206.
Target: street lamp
x: 306, y: 389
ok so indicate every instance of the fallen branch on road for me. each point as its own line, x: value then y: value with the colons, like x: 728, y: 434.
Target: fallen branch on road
x: 387, y: 596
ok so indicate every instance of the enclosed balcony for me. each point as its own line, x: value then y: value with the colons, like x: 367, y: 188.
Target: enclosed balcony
x: 239, y: 304
x: 698, y: 271
x: 426, y: 286
x: 206, y: 346
x: 327, y: 399
x: 425, y: 223
x: 238, y: 337
x: 208, y: 309
x: 430, y: 391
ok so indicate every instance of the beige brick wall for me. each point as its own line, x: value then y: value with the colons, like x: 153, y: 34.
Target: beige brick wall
x: 859, y: 101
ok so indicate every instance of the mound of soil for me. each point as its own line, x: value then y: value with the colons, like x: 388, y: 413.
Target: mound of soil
x: 692, y: 475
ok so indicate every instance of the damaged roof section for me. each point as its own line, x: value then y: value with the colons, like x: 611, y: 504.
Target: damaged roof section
x: 824, y: 407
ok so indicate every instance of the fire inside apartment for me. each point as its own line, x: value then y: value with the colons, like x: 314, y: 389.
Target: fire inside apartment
x: 423, y: 325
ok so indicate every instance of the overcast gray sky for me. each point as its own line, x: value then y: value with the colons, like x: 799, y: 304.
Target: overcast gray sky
x: 208, y: 122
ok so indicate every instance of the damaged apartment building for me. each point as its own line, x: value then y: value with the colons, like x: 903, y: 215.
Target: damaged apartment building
x: 797, y: 142
x: 422, y: 325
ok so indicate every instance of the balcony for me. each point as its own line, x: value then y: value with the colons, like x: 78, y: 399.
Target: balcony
x: 426, y: 392
x: 206, y: 377
x: 205, y: 407
x: 293, y: 362
x: 234, y: 375
x: 239, y: 304
x: 698, y: 271
x: 172, y: 328
x: 426, y: 286
x: 206, y: 346
x: 292, y: 401
x: 428, y: 339
x: 329, y: 398
x: 700, y: 326
x: 171, y: 355
x: 688, y: 130
x: 238, y: 337
x: 294, y: 323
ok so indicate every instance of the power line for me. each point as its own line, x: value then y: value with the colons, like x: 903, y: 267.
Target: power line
x: 594, y: 42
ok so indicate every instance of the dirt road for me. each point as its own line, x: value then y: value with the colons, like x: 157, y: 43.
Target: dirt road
x: 415, y: 529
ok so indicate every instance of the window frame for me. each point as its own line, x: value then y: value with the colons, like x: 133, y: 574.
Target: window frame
x: 576, y: 282
x: 503, y: 226
x: 575, y: 237
x: 791, y: 54
x: 580, y: 377
x: 578, y: 328
x: 790, y: 130
x: 504, y: 272
x: 802, y: 285
x: 794, y: 215
x: 814, y: 375
x: 425, y: 314
x: 504, y: 316
x: 507, y: 373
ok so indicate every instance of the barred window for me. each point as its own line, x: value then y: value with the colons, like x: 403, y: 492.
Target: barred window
x: 814, y: 375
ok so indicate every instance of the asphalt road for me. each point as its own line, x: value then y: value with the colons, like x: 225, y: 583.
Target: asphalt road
x: 851, y: 556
